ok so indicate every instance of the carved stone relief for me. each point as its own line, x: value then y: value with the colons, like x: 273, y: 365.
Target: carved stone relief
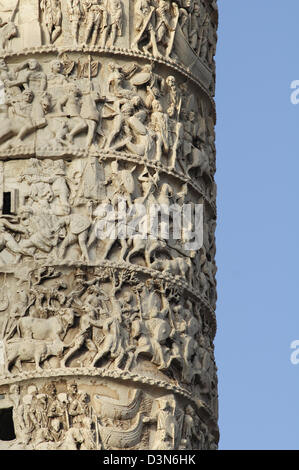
x: 84, y: 415
x: 107, y: 113
x: 182, y: 31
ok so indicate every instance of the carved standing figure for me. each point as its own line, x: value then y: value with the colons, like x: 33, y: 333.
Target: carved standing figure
x: 52, y: 17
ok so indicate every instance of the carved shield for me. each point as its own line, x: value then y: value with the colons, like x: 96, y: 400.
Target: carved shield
x: 79, y: 223
x: 141, y: 78
x: 137, y: 126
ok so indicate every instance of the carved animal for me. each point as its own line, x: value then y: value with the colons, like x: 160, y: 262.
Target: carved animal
x: 146, y: 246
x: 31, y: 350
x: 200, y: 161
x: 54, y: 328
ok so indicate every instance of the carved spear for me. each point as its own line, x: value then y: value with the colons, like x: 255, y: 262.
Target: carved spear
x: 14, y: 11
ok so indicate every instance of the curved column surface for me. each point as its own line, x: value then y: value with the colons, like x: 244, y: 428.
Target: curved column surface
x: 107, y: 224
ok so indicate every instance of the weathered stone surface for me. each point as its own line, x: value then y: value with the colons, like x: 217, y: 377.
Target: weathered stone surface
x: 107, y: 343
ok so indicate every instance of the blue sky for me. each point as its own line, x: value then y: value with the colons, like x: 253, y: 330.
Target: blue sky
x: 258, y: 228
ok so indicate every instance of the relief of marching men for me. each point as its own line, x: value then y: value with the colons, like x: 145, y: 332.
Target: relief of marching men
x: 64, y: 416
x: 156, y: 26
x: 109, y: 319
x: 160, y: 24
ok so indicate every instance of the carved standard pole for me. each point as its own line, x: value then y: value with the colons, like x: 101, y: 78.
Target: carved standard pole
x: 106, y: 336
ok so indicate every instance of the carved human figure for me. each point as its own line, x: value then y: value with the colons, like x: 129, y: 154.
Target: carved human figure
x: 112, y: 343
x: 7, y: 75
x: 7, y: 240
x: 204, y: 27
x: 78, y: 405
x: 75, y: 15
x: 144, y: 23
x: 195, y: 27
x: 122, y: 124
x: 155, y: 26
x: 95, y: 19
x: 29, y: 75
x: 77, y: 231
x: 116, y: 82
x: 57, y: 177
x: 56, y: 410
x: 166, y: 21
x: 43, y: 231
x: 70, y: 106
x: 84, y: 338
x: 160, y: 125
x: 18, y: 310
x: 52, y: 17
x: 151, y: 336
x: 29, y: 116
x: 18, y: 413
x: 91, y: 115
x: 191, y: 429
x: 41, y: 410
x: 8, y: 30
x: 115, y: 20
x: 167, y: 426
x: 56, y: 78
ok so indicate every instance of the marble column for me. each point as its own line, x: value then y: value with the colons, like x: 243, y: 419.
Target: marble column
x: 108, y: 215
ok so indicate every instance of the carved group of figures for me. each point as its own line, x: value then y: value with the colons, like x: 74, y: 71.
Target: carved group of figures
x: 199, y: 28
x: 155, y: 24
x: 65, y: 417
x: 47, y: 420
x: 94, y: 22
x: 103, y: 21
x: 140, y: 113
x: 110, y: 319
x: 48, y: 222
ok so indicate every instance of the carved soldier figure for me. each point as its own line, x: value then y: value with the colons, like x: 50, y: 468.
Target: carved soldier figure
x: 29, y: 75
x: 112, y: 343
x: 56, y: 78
x: 160, y: 125
x: 77, y: 230
x: 7, y: 75
x: 8, y: 241
x: 167, y: 426
x: 164, y: 25
x: 95, y: 19
x: 18, y: 311
x: 75, y: 15
x: 156, y: 25
x: 91, y: 114
x: 30, y: 116
x: 115, y: 20
x: 18, y: 414
x: 52, y: 18
x: 144, y: 23
x: 8, y: 31
x: 191, y: 429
